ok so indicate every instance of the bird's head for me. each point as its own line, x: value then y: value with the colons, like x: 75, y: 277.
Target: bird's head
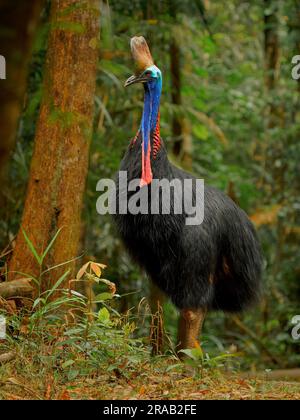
x: 146, y: 71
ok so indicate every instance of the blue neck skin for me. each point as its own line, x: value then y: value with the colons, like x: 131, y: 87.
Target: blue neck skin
x: 151, y: 108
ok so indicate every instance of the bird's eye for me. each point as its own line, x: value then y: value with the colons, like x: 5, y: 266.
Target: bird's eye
x: 148, y: 74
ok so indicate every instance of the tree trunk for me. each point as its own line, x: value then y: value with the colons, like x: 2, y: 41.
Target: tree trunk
x: 60, y: 159
x: 18, y: 22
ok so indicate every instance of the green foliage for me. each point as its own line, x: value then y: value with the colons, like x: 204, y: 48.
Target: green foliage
x: 77, y: 350
x: 81, y: 345
x: 198, y: 360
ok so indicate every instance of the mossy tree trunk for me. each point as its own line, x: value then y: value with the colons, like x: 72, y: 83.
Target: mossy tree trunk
x: 18, y: 22
x: 60, y: 159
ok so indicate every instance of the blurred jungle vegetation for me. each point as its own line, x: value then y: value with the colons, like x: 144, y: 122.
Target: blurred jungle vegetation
x: 230, y: 113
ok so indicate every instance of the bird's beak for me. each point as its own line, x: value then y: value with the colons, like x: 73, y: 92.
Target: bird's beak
x: 136, y: 79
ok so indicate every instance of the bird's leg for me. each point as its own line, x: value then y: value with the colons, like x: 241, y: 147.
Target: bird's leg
x: 190, y: 325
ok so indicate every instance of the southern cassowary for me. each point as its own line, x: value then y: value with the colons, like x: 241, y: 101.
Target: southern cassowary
x: 215, y: 265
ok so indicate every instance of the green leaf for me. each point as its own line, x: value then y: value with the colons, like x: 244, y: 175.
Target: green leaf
x: 226, y: 356
x: 72, y: 374
x: 53, y: 267
x: 103, y: 296
x: 32, y: 248
x: 208, y: 45
x: 202, y: 72
x: 103, y: 315
x: 200, y: 131
x: 178, y: 365
x: 37, y: 301
x: 67, y: 363
x: 195, y: 354
x: 57, y: 284
x: 50, y: 244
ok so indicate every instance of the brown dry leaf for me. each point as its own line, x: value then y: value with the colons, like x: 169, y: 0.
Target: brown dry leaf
x: 142, y: 390
x: 96, y: 269
x: 64, y: 395
x: 101, y: 265
x: 124, y: 364
x: 82, y: 270
x: 200, y: 392
x: 48, y: 391
x: 112, y: 288
x: 11, y: 396
x: 24, y: 329
x: 8, y: 305
x: 12, y: 305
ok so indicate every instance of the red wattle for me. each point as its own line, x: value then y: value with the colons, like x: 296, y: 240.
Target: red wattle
x: 146, y: 167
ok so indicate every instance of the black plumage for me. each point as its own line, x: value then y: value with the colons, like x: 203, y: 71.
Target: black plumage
x: 216, y: 265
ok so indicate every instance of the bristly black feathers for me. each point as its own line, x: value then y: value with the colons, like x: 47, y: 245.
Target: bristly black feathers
x: 216, y: 265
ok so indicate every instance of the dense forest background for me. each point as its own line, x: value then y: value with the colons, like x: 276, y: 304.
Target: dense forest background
x: 230, y: 113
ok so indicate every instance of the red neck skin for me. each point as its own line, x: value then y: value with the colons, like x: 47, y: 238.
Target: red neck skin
x: 154, y: 145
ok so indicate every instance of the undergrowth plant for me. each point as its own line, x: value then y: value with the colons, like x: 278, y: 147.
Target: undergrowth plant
x: 65, y: 335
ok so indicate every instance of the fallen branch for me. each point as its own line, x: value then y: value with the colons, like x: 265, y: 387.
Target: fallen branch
x: 7, y: 357
x: 16, y: 288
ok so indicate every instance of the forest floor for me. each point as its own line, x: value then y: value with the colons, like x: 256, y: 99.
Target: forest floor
x: 45, y: 355
x: 151, y: 380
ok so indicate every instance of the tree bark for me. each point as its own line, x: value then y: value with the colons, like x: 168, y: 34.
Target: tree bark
x: 16, y: 288
x: 18, y: 22
x: 60, y: 159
